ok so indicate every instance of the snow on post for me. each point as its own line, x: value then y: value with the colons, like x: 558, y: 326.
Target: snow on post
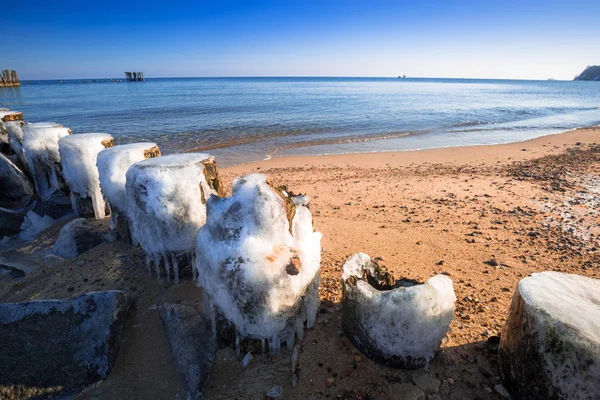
x: 7, y: 115
x: 550, y: 343
x: 166, y: 204
x: 113, y: 164
x: 396, y: 322
x: 15, y: 141
x: 40, y: 143
x: 258, y: 260
x: 78, y: 154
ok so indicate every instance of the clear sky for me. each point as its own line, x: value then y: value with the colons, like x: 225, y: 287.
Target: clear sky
x: 526, y: 39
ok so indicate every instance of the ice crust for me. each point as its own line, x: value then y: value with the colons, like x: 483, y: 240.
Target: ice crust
x: 15, y: 139
x: 408, y: 321
x: 33, y: 224
x: 40, y: 143
x: 113, y: 164
x: 164, y: 204
x: 79, y: 154
x: 244, y: 257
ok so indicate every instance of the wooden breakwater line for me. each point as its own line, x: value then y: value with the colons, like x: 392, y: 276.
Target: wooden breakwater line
x: 134, y: 76
x: 9, y: 78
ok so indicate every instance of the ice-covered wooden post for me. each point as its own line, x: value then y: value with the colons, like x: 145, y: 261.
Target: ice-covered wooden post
x: 166, y: 199
x: 78, y: 154
x: 113, y: 164
x: 15, y: 141
x: 258, y: 259
x: 550, y: 343
x: 395, y: 322
x: 8, y: 115
x: 40, y: 143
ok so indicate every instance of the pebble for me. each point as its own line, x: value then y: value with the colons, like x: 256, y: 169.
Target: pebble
x: 450, y: 381
x: 330, y: 381
x: 426, y: 383
x: 276, y: 391
x: 501, y: 390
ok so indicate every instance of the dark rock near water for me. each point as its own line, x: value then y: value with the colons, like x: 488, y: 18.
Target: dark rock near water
x: 591, y: 73
x: 10, y: 222
x: 193, y: 342
x: 64, y: 344
x: 77, y: 237
x: 15, y: 188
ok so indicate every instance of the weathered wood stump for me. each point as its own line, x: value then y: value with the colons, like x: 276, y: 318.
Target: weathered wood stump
x: 79, y: 154
x: 8, y: 115
x: 396, y: 322
x: 113, y: 164
x: 550, y: 344
x: 166, y: 204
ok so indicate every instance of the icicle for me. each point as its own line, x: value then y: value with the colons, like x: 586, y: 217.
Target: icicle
x: 148, y: 262
x: 274, y: 346
x: 167, y: 268
x: 299, y: 326
x: 156, y: 261
x: 237, y: 345
x: 289, y: 339
x: 262, y: 342
x: 175, y: 268
x: 194, y: 271
x: 295, y: 357
x: 246, y: 360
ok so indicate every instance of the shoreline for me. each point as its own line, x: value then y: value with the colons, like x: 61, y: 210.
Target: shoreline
x: 452, y: 154
x: 421, y: 212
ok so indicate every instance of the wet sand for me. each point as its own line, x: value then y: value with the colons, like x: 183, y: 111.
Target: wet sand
x: 530, y: 206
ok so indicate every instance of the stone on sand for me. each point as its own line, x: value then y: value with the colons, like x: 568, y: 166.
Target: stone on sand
x: 77, y: 237
x: 193, y: 342
x: 61, y: 343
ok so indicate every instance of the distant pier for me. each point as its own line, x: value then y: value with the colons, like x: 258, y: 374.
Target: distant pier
x: 134, y: 76
x: 9, y: 78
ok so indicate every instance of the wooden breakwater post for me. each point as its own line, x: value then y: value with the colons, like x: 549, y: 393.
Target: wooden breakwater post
x: 134, y: 76
x: 9, y: 78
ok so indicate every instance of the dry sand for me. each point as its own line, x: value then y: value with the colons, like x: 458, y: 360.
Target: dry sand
x: 530, y: 206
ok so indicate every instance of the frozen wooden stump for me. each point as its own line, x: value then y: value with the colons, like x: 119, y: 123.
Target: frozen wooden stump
x: 40, y: 144
x: 79, y: 154
x: 166, y: 204
x: 396, y: 322
x: 258, y: 260
x: 7, y: 115
x: 550, y: 344
x: 113, y: 164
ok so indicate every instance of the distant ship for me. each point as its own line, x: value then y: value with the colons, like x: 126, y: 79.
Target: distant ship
x: 401, y: 77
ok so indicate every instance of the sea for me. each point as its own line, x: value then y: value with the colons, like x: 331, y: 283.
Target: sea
x: 248, y: 119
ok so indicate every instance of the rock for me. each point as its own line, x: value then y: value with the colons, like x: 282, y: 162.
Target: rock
x: 550, y: 343
x: 193, y: 344
x: 275, y: 392
x: 406, y: 391
x: 426, y: 383
x: 501, y: 390
x: 10, y: 222
x: 16, y: 189
x: 61, y: 343
x: 76, y: 237
x: 395, y: 322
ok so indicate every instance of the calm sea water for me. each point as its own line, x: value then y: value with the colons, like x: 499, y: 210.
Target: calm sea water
x: 244, y: 119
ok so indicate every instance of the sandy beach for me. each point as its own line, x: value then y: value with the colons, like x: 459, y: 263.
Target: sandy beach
x: 486, y: 216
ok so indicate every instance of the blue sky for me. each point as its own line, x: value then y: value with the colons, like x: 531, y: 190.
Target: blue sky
x: 446, y: 38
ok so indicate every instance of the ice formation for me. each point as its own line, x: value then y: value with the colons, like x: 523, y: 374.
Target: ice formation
x: 258, y: 260
x: 400, y: 323
x: 113, y: 164
x: 166, y: 199
x: 15, y: 140
x: 33, y: 224
x: 40, y: 143
x: 550, y: 343
x: 78, y: 154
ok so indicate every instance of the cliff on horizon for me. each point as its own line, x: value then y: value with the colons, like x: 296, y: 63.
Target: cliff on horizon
x: 591, y: 73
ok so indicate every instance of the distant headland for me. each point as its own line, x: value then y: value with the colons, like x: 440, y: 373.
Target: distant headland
x: 591, y: 73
